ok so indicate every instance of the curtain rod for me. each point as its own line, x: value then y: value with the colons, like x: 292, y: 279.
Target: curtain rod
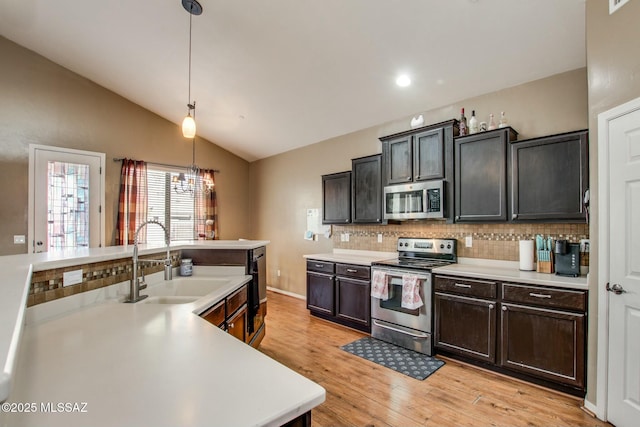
x: 119, y: 159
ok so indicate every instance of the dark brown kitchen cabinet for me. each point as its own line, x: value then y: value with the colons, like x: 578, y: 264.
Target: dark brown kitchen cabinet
x: 366, y: 181
x: 481, y: 176
x: 336, y: 198
x: 398, y: 153
x: 421, y: 154
x: 237, y: 324
x: 465, y: 322
x: 536, y: 333
x: 428, y: 155
x: 418, y: 154
x: 321, y: 287
x: 340, y: 293
x: 549, y: 178
x: 542, y: 331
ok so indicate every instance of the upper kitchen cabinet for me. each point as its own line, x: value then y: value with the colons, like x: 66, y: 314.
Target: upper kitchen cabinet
x: 336, y: 198
x: 366, y: 189
x: 549, y: 178
x: 420, y: 155
x: 481, y: 175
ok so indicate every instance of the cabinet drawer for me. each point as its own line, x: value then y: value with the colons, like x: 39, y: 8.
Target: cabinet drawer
x: 355, y: 271
x: 215, y: 315
x: 471, y: 287
x: 545, y: 297
x: 320, y: 266
x: 236, y: 300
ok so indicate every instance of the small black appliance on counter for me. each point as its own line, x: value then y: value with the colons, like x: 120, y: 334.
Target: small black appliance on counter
x: 567, y: 258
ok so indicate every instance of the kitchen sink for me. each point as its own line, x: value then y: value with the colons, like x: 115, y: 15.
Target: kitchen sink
x: 168, y: 299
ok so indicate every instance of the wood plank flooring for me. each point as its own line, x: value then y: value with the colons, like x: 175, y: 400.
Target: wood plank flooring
x: 362, y: 393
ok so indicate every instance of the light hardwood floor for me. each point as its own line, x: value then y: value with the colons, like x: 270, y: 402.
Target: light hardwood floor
x: 362, y: 393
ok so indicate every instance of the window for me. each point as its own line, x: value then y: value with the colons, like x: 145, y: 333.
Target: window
x: 177, y: 211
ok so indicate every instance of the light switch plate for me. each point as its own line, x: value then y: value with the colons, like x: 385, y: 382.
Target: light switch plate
x: 71, y: 277
x: 468, y: 241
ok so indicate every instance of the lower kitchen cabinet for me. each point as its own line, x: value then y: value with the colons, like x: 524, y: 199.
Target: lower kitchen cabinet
x: 230, y: 314
x: 340, y: 293
x: 465, y: 322
x: 466, y: 326
x: 539, y: 334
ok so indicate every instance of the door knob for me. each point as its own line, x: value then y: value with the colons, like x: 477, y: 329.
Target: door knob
x: 616, y: 289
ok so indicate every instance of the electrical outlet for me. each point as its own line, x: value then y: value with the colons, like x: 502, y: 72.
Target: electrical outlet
x: 278, y: 273
x: 379, y: 237
x: 19, y: 239
x: 346, y: 237
x: 584, y: 246
x: 468, y: 241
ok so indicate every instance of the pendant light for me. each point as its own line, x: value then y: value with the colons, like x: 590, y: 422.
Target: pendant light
x: 189, y: 122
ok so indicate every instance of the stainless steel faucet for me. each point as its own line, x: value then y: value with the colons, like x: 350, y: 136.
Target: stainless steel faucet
x: 136, y: 286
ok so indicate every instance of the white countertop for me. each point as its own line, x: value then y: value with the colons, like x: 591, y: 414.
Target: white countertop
x: 349, y: 256
x: 152, y: 364
x: 509, y: 272
x: 153, y: 354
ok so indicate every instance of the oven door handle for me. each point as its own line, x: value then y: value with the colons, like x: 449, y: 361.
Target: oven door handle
x: 400, y: 330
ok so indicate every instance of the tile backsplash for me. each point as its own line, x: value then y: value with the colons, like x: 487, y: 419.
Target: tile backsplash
x: 490, y: 241
x: 47, y: 285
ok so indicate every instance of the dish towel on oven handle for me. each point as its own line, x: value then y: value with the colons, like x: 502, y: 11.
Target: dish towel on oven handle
x: 379, y: 285
x: 411, y: 292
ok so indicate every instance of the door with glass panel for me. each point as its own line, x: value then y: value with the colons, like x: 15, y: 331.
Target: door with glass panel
x: 66, y: 195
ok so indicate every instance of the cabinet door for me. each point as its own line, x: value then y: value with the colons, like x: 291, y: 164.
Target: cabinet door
x: 336, y: 198
x: 367, y: 190
x: 549, y: 177
x: 353, y: 300
x: 320, y: 293
x: 237, y: 324
x: 398, y: 160
x: 465, y: 326
x: 481, y: 177
x: 545, y: 343
x: 428, y: 155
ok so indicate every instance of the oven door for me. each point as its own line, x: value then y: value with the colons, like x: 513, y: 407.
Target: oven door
x: 392, y: 311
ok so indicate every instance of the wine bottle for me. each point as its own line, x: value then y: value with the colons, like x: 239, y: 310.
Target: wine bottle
x: 492, y: 123
x: 473, y: 123
x: 503, y: 121
x: 463, y: 124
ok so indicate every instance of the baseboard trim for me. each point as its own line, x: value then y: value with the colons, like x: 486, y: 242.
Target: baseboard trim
x: 287, y: 293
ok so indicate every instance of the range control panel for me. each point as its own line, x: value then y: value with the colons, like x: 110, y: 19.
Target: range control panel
x: 427, y: 246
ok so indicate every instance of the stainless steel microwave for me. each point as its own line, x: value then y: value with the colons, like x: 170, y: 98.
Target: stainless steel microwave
x: 419, y: 200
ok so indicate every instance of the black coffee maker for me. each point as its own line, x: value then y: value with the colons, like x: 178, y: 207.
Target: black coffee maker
x: 567, y: 258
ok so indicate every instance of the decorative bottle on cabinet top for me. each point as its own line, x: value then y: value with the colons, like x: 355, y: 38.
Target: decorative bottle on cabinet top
x: 492, y: 122
x: 463, y: 124
x: 473, y: 123
x: 503, y: 121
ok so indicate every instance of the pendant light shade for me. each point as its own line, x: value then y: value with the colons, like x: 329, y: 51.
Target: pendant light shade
x: 189, y: 126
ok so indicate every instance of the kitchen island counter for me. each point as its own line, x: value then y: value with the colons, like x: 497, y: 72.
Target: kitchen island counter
x: 134, y: 364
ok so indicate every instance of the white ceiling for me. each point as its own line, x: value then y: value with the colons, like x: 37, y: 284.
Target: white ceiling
x: 273, y: 75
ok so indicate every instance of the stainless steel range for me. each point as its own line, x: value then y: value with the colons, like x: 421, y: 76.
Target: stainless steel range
x: 390, y: 321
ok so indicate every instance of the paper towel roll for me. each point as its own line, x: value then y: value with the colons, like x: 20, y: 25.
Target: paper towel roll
x: 526, y: 255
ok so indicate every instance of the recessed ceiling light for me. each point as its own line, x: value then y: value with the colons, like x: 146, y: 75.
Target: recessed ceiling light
x: 403, y: 80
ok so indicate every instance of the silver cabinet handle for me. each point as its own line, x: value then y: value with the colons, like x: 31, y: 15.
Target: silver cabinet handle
x: 616, y: 289
x: 490, y: 306
x: 504, y: 308
x: 319, y: 265
x: 533, y: 294
x: 351, y: 270
x: 231, y: 325
x: 461, y: 285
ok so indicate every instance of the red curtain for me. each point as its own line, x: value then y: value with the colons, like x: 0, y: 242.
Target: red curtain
x: 207, y: 206
x: 132, y: 209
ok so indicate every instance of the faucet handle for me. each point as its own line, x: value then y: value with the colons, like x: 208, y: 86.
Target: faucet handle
x: 142, y: 286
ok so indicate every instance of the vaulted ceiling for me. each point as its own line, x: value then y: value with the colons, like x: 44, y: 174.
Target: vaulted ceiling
x: 269, y: 76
